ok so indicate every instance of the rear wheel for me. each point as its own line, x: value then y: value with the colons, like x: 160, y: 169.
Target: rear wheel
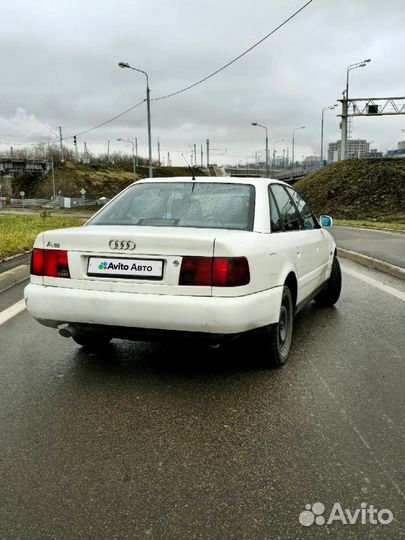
x: 330, y: 294
x: 91, y: 341
x: 278, y: 336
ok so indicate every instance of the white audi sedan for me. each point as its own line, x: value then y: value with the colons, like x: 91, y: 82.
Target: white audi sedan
x: 204, y: 259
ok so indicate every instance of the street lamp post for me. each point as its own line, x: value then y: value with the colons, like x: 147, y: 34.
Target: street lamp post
x: 126, y: 65
x: 275, y: 151
x: 345, y: 106
x: 293, y: 147
x: 323, y: 110
x: 267, y: 147
x: 134, y: 152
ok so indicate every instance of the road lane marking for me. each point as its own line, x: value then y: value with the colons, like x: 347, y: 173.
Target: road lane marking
x: 375, y: 283
x: 12, y: 311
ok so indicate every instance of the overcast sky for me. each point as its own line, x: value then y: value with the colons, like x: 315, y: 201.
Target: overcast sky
x: 59, y: 67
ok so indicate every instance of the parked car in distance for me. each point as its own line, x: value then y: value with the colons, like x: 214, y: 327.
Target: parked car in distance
x: 203, y: 259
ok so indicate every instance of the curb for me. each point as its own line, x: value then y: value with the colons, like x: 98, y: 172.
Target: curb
x: 370, y: 262
x: 399, y: 231
x: 14, y: 276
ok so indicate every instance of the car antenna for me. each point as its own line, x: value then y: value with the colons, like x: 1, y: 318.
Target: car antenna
x: 188, y: 165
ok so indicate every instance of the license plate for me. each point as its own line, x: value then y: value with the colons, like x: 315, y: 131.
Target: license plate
x: 127, y: 268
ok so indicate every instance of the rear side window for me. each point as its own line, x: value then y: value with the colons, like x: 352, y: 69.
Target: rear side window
x: 275, y: 218
x: 182, y: 204
x: 303, y: 209
x: 288, y: 212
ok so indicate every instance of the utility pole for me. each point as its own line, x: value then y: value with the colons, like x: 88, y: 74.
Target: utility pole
x: 168, y: 159
x: 61, y: 144
x: 149, y: 128
x: 208, y: 152
x: 202, y: 156
x: 158, y: 151
x: 343, y: 140
x: 108, y: 151
x: 293, y: 144
x: 53, y: 181
x: 76, y: 152
x: 195, y: 155
x: 136, y: 151
x: 345, y: 104
x: 134, y: 161
x: 85, y: 151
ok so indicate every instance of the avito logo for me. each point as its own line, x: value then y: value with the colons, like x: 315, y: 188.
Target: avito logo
x: 366, y: 514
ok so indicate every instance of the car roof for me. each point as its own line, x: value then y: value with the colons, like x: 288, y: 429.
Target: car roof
x: 214, y: 179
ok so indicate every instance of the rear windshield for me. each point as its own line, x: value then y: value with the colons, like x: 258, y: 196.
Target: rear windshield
x: 182, y: 204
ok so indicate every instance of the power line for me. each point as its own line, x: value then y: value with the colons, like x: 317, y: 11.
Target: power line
x: 238, y: 57
x: 201, y: 80
x: 106, y: 122
x: 10, y: 143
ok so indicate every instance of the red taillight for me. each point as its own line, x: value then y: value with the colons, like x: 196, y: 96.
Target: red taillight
x: 37, y: 262
x: 214, y: 271
x: 196, y: 271
x: 50, y: 263
x: 230, y: 272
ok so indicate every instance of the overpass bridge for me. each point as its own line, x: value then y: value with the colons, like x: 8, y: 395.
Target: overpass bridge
x: 279, y: 174
x: 10, y: 165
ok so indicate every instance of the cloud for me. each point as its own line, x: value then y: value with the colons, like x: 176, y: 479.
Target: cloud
x: 63, y: 69
x: 22, y: 126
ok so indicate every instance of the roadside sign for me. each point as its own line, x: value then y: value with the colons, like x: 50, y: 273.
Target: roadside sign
x: 22, y: 193
x: 83, y: 191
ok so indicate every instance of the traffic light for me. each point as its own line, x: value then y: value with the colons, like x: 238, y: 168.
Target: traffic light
x: 74, y: 140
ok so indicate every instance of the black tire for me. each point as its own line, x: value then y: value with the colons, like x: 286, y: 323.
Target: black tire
x: 278, y: 336
x: 91, y: 341
x: 330, y: 294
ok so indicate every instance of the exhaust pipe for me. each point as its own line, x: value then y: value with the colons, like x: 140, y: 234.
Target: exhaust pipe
x: 67, y: 331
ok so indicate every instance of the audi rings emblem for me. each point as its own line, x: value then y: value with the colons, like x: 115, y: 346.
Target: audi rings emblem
x: 122, y: 244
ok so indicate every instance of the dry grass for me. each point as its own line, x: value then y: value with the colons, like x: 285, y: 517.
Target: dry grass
x: 17, y: 233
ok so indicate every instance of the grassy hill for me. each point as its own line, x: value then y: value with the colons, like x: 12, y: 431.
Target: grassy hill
x: 370, y: 188
x: 361, y: 189
x: 99, y: 180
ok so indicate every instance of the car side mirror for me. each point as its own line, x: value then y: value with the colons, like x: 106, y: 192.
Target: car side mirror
x: 326, y: 222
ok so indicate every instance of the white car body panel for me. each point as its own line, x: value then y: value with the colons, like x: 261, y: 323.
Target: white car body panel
x: 179, y: 313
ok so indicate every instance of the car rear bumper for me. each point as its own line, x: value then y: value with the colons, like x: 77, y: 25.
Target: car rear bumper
x: 216, y: 315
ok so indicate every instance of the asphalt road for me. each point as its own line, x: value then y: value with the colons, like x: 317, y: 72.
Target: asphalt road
x: 384, y: 245
x: 163, y: 442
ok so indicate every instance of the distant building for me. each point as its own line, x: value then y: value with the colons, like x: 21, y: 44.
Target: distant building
x: 356, y: 148
x: 374, y: 153
x: 396, y: 153
x: 400, y: 151
x: 311, y: 159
